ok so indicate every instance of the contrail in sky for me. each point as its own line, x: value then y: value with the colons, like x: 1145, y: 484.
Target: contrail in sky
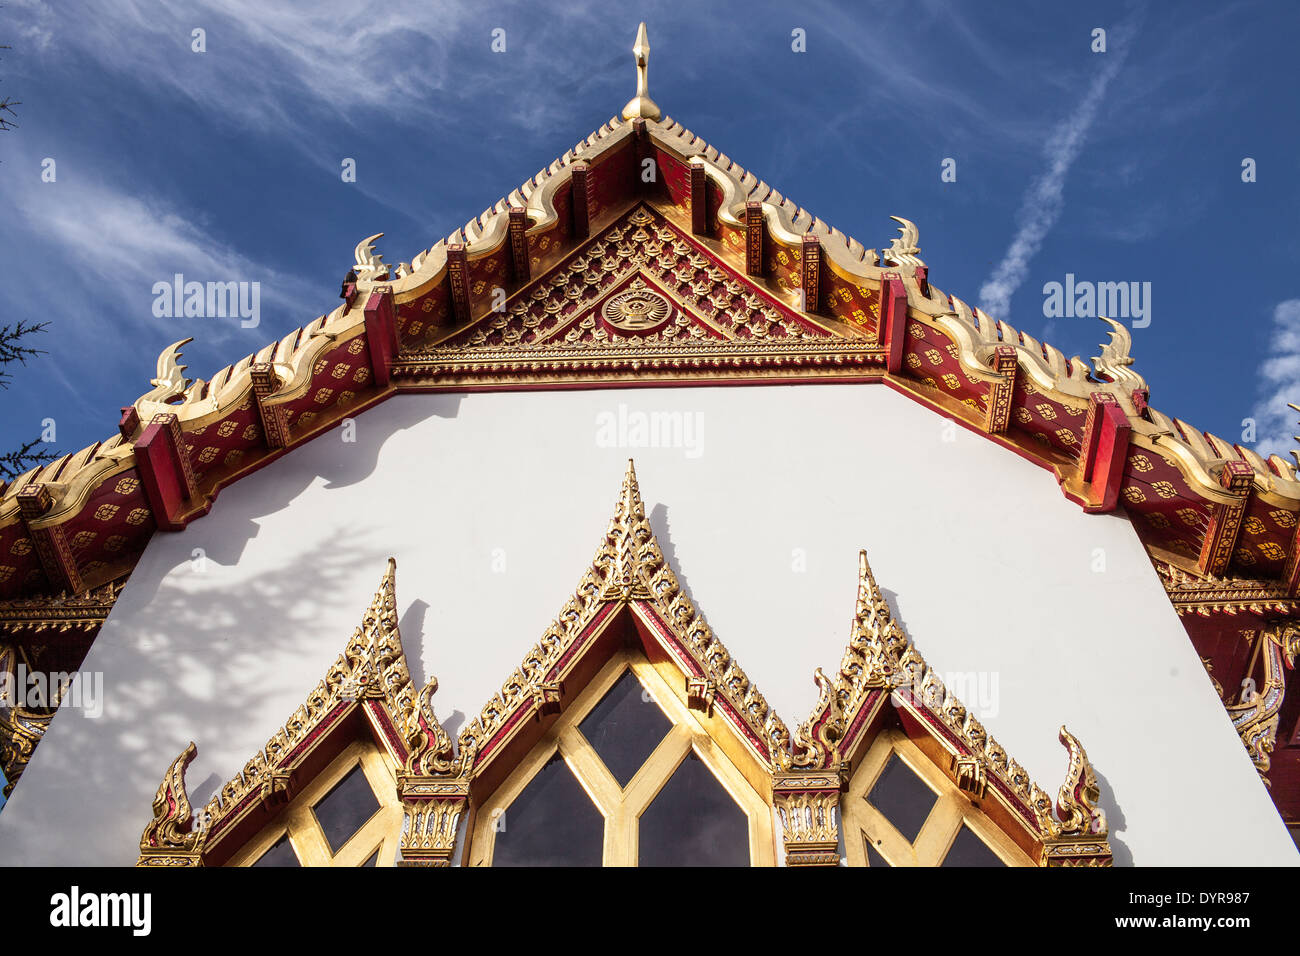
x: 1045, y: 198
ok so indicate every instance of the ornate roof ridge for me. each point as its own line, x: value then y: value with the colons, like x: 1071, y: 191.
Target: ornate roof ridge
x: 1199, y: 454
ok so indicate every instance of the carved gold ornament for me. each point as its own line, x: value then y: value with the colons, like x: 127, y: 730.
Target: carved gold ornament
x: 1256, y: 714
x: 637, y: 310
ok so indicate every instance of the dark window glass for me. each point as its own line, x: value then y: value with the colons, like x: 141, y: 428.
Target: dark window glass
x: 970, y: 850
x: 873, y: 858
x: 693, y: 822
x: 551, y: 823
x: 343, y: 810
x: 373, y: 861
x: 281, y: 854
x: 903, y: 797
x: 625, y: 727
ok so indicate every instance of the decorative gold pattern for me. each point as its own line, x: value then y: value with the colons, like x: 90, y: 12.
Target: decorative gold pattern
x: 807, y: 808
x: 62, y: 612
x: 1204, y: 596
x: 1077, y: 798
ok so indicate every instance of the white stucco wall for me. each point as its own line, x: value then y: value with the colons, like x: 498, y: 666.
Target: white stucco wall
x: 989, y: 568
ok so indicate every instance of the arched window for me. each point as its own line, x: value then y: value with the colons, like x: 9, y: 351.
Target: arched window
x: 902, y: 810
x: 626, y: 775
x: 348, y: 815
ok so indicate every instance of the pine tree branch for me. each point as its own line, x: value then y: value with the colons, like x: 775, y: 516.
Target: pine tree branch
x: 12, y: 348
x: 15, y: 463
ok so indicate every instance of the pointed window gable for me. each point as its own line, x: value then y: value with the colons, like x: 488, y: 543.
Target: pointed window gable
x: 629, y: 735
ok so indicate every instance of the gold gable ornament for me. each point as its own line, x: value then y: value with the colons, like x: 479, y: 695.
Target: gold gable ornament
x: 881, y: 670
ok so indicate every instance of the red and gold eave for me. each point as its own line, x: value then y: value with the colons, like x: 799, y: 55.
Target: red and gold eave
x: 759, y: 291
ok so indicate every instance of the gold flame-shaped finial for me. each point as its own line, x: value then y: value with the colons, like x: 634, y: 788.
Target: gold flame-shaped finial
x: 641, y: 106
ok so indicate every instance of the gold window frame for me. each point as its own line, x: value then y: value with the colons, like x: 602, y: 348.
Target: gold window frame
x: 952, y: 810
x: 621, y: 807
x: 381, y: 832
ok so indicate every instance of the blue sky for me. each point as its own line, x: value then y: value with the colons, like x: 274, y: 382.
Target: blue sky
x: 225, y: 165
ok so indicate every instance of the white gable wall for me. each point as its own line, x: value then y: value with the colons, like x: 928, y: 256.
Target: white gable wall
x: 493, y: 504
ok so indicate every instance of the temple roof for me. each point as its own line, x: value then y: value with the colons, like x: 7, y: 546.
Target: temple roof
x: 753, y: 290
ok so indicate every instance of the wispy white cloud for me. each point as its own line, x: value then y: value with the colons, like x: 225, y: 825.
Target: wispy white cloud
x: 1275, y: 423
x: 1045, y: 199
x: 119, y: 244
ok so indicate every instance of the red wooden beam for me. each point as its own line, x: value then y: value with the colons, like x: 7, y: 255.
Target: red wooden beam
x: 998, y: 413
x: 893, y: 320
x: 810, y: 273
x: 51, y: 543
x: 165, y: 471
x: 1105, y: 449
x: 519, y: 243
x: 581, y: 201
x: 699, y: 198
x: 1220, y: 540
x: 753, y: 238
x: 129, y: 422
x: 458, y: 279
x: 381, y: 334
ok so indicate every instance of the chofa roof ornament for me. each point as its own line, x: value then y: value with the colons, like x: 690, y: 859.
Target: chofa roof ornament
x: 641, y: 106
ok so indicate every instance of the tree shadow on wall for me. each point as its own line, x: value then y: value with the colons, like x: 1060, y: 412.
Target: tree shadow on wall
x: 192, y: 666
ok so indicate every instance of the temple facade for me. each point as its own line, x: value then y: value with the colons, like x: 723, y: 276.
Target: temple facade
x: 495, y: 564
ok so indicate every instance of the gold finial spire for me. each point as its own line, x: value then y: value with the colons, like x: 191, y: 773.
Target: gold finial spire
x: 641, y: 105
